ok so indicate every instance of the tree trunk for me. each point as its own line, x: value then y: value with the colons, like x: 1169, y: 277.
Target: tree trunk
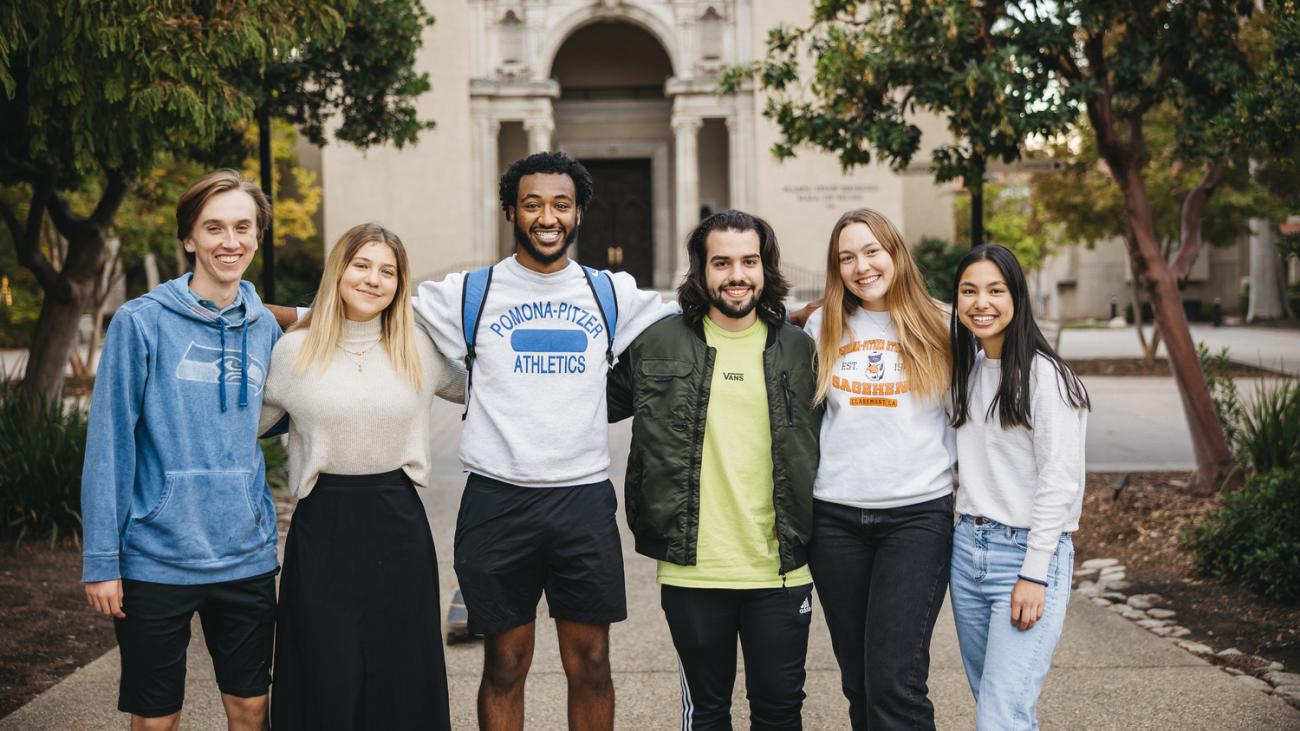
x: 56, y: 329
x: 1267, y: 276
x: 1213, y: 458
x: 976, y: 185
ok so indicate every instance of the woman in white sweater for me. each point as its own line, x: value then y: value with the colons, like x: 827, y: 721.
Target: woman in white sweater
x: 1021, y: 415
x: 358, y: 642
x: 882, y: 507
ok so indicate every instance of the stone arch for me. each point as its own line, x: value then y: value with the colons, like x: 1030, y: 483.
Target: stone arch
x: 629, y: 13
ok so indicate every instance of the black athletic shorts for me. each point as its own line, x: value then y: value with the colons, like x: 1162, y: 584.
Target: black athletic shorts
x: 513, y: 543
x: 238, y: 627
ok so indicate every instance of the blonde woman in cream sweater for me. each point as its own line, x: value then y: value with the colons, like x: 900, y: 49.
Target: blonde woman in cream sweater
x: 358, y: 642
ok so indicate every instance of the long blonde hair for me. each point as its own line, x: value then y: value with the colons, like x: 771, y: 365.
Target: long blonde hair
x: 324, y: 324
x: 919, y: 319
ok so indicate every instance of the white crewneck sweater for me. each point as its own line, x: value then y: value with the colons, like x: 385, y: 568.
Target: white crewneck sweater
x: 1025, y: 478
x: 536, y: 415
x: 346, y: 420
x: 881, y: 445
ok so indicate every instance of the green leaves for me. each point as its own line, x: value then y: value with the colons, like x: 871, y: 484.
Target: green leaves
x: 873, y: 68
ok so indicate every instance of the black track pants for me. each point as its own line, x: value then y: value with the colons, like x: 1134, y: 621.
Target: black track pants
x: 773, y: 628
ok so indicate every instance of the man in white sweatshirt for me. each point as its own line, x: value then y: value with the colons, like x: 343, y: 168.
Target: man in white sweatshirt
x: 538, y: 510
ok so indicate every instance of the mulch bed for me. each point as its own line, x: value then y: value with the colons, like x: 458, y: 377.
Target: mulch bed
x: 1141, y: 526
x: 1158, y: 367
x: 49, y: 629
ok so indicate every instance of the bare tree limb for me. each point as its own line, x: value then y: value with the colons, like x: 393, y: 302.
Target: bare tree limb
x: 114, y: 193
x: 1193, y: 215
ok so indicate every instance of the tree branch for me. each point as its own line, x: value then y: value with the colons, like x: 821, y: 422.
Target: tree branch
x: 1192, y: 216
x: 114, y: 194
x: 1153, y: 91
x: 27, y: 239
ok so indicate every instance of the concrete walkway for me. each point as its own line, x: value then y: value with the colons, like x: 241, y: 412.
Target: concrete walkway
x: 1274, y: 349
x: 1107, y: 672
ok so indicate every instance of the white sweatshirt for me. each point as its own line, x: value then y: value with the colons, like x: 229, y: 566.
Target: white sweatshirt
x: 537, y: 413
x: 350, y: 420
x: 881, y: 446
x: 1021, y: 477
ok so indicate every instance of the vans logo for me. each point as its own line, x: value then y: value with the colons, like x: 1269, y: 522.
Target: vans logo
x: 806, y: 607
x: 733, y: 376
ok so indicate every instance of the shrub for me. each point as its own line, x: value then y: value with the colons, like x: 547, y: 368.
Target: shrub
x: 1268, y: 433
x: 1255, y: 537
x: 40, y: 466
x: 1223, y: 390
x: 937, y: 259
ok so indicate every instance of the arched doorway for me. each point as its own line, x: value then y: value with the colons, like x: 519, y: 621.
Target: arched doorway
x: 612, y: 115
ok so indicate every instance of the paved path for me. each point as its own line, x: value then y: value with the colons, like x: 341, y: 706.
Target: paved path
x: 1107, y: 674
x: 1270, y: 348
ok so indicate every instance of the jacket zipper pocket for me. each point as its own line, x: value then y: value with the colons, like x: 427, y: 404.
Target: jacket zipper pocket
x: 785, y: 391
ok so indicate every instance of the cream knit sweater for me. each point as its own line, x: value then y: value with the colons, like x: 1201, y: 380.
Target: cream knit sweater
x: 350, y: 420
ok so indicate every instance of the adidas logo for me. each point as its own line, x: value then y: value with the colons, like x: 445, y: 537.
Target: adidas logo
x: 806, y: 607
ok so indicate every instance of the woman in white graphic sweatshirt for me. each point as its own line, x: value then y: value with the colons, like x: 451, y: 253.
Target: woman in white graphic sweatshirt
x: 882, y: 508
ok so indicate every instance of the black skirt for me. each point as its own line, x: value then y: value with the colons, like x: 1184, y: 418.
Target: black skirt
x: 358, y: 642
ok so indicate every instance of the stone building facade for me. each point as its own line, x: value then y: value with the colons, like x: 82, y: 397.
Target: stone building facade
x: 630, y: 87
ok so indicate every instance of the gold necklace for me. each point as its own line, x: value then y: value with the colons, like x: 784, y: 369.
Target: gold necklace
x: 351, y: 354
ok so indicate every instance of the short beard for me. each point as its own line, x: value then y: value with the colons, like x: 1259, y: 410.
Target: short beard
x: 523, y: 240
x: 730, y: 310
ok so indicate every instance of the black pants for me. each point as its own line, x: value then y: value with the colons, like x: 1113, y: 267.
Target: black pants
x: 358, y: 646
x: 881, y: 576
x: 773, y: 629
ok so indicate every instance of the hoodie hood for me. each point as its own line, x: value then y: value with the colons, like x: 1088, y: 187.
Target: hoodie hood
x: 176, y: 296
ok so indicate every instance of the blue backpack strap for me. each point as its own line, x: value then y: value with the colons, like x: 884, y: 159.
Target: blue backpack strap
x: 473, y: 295
x: 602, y: 287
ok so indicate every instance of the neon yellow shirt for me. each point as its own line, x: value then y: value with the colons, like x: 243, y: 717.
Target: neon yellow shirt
x: 736, y: 547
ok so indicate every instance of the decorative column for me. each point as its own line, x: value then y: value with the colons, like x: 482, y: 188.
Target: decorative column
x: 740, y: 155
x: 486, y: 235
x: 539, y: 132
x: 687, y: 186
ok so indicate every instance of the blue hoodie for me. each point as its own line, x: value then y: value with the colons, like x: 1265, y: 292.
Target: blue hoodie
x: 174, y: 486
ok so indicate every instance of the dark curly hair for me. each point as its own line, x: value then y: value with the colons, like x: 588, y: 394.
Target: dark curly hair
x: 556, y: 163
x: 693, y: 294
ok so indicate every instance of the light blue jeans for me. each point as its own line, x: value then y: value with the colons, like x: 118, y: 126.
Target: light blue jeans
x: 1004, y: 664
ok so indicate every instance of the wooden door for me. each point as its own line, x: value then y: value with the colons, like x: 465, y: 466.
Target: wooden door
x: 617, y: 226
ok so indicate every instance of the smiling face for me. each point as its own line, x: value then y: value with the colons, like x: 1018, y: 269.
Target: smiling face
x: 369, y: 281
x: 984, y: 305
x: 733, y: 275
x: 223, y: 241
x: 866, y: 268
x: 546, y: 220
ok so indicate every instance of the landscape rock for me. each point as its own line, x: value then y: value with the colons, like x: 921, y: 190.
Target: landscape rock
x: 1289, y: 693
x: 1135, y: 614
x: 1165, y: 631
x: 1179, y: 632
x: 1159, y: 613
x: 1277, y: 677
x: 1100, y: 602
x: 1234, y: 671
x: 1089, y: 588
x: 1115, y: 596
x: 1255, y: 683
x: 1228, y: 652
x: 1143, y: 601
x: 1100, y: 563
x: 1153, y: 623
x: 1196, y: 648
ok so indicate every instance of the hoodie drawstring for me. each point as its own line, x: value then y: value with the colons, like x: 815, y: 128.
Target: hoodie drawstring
x: 221, y: 377
x: 243, y: 366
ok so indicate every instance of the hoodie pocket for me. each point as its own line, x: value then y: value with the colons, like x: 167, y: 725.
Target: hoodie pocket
x: 201, y: 518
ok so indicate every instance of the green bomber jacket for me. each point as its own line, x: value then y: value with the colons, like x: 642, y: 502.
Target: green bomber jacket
x: 663, y: 381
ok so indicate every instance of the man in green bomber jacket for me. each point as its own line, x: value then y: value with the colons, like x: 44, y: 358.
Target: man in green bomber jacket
x: 719, y: 481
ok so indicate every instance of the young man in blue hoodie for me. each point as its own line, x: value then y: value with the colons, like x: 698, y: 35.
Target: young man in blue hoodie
x: 178, y: 516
